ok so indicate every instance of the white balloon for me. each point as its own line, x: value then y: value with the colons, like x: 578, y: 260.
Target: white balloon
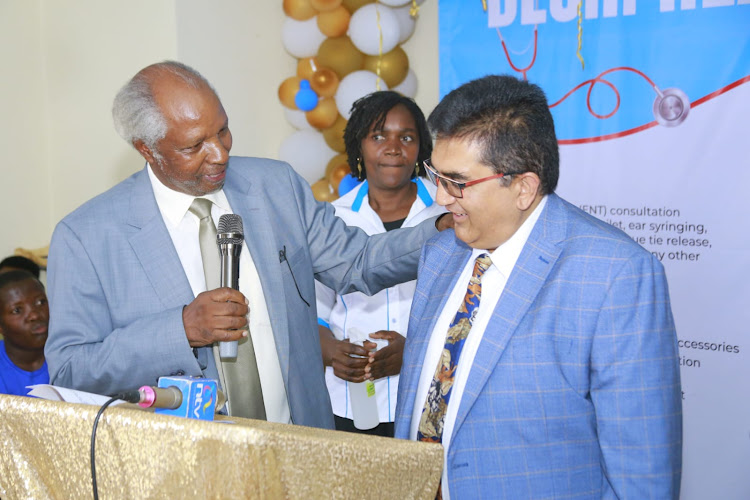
x: 307, y: 152
x: 353, y: 86
x: 408, y: 87
x: 406, y: 23
x: 297, y: 118
x: 301, y: 38
x: 395, y: 3
x: 365, y: 29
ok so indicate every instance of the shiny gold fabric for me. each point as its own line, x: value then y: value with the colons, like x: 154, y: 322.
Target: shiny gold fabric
x: 45, y: 447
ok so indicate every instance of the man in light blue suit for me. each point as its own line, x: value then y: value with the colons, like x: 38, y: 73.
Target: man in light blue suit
x: 567, y: 382
x: 128, y: 293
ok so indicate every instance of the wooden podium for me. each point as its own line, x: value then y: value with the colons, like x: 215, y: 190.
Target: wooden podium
x: 45, y: 450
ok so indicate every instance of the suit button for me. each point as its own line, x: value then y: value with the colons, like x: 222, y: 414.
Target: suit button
x: 178, y: 373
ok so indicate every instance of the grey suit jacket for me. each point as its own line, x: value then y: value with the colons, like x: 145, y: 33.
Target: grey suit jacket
x: 117, y: 288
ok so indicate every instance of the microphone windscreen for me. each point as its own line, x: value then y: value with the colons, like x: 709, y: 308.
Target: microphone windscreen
x: 230, y: 224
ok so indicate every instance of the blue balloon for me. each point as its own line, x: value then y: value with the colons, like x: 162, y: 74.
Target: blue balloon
x: 306, y: 99
x: 348, y: 182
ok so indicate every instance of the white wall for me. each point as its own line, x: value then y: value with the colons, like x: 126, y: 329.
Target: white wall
x: 68, y: 58
x: 91, y: 49
x: 24, y: 190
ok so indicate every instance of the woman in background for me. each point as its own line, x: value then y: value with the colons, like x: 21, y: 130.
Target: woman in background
x: 386, y: 141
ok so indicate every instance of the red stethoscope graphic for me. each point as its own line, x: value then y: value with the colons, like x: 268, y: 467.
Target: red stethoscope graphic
x: 670, y: 108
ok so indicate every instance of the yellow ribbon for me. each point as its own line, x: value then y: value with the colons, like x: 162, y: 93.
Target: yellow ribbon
x: 414, y: 11
x: 580, y: 34
x: 380, y: 46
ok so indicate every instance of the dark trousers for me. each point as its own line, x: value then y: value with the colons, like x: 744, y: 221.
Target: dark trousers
x: 345, y: 424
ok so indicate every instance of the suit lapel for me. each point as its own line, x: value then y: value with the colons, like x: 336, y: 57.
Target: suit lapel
x: 537, y: 259
x: 154, y: 248
x: 249, y: 202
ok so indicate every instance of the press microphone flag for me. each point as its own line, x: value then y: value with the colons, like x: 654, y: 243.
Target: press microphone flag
x: 229, y: 238
x: 183, y: 396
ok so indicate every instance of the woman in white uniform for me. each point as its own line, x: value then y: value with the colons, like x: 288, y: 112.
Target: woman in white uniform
x: 386, y: 140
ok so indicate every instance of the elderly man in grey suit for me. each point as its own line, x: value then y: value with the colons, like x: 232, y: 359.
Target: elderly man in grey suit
x: 128, y: 295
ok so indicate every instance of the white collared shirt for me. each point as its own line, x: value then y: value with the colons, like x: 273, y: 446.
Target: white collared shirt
x: 183, y: 229
x: 493, y: 283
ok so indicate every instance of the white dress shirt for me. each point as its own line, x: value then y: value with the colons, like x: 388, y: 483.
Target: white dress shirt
x: 183, y: 229
x: 493, y: 283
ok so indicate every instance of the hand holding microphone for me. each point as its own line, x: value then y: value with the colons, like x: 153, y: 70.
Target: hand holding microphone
x: 215, y: 315
x: 229, y: 239
x: 221, y: 315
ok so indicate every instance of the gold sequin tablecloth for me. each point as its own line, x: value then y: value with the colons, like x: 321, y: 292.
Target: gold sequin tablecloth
x: 45, y: 449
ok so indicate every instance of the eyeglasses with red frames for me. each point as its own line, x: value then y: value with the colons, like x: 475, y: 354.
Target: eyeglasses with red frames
x: 454, y: 188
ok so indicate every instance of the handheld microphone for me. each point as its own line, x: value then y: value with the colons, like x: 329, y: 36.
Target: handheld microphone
x: 229, y: 238
x: 184, y: 396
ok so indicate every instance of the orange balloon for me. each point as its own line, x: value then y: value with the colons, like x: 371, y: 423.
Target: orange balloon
x: 306, y: 67
x: 340, y: 55
x: 324, y: 82
x: 324, y: 115
x: 334, y: 22
x: 394, y: 66
x: 334, y: 135
x: 337, y: 173
x: 352, y: 5
x: 322, y: 190
x: 301, y: 10
x: 287, y: 90
x: 334, y: 162
x: 325, y: 5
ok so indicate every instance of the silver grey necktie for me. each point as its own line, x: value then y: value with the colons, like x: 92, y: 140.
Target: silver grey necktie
x: 201, y: 208
x: 240, y: 377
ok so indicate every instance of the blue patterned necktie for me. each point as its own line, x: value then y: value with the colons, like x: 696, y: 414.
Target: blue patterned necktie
x: 438, y: 396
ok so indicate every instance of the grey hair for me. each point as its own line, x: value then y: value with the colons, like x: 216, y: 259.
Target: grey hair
x: 134, y: 110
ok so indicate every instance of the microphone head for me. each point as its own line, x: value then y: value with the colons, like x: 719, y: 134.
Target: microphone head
x: 230, y: 223
x: 230, y: 229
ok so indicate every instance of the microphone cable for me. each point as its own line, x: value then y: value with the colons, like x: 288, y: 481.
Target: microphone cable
x: 93, y: 442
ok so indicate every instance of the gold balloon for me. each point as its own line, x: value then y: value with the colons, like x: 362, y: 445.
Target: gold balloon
x: 287, y: 90
x: 340, y: 55
x: 334, y: 162
x: 324, y: 82
x: 394, y: 66
x: 301, y: 10
x: 324, y: 115
x: 322, y: 191
x: 337, y: 173
x: 334, y: 22
x: 352, y: 5
x: 306, y: 67
x: 334, y: 135
x: 325, y: 5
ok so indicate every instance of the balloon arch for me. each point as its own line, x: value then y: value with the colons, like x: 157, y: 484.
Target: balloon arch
x: 345, y: 49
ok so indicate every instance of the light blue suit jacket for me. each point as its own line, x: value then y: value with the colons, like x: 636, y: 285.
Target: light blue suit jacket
x: 575, y: 390
x: 117, y: 288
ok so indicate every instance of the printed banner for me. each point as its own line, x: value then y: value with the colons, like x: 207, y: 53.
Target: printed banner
x: 651, y: 102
